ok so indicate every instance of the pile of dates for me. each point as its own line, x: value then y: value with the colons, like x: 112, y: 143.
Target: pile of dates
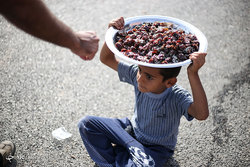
x: 157, y: 43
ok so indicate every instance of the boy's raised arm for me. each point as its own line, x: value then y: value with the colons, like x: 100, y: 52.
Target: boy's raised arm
x: 199, y: 108
x: 107, y: 57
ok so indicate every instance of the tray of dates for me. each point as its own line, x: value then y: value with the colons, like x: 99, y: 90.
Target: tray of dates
x: 156, y: 41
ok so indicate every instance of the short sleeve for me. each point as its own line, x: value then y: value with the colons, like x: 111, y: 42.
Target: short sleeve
x: 183, y: 100
x: 127, y: 73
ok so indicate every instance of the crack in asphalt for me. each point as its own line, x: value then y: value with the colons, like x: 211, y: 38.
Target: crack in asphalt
x: 222, y: 131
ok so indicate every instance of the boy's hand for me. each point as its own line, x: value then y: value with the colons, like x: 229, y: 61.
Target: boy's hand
x: 198, y: 60
x: 117, y: 23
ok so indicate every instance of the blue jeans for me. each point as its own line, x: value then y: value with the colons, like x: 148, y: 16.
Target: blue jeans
x: 99, y: 133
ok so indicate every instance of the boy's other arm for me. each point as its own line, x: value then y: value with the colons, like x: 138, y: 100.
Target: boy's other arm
x: 33, y: 17
x: 199, y: 108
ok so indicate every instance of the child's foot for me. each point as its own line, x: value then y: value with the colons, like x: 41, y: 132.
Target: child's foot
x: 7, y: 151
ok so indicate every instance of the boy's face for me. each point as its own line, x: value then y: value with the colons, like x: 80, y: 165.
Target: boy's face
x: 150, y: 80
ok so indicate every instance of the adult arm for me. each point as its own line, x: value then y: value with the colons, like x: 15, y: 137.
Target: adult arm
x: 199, y: 108
x: 33, y: 17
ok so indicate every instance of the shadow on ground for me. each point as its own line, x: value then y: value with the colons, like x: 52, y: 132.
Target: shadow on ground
x: 12, y: 164
x: 172, y: 163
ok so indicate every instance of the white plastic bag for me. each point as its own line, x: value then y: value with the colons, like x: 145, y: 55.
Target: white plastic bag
x: 61, y: 134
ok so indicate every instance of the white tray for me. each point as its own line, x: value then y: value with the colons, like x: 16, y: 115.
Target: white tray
x: 187, y: 27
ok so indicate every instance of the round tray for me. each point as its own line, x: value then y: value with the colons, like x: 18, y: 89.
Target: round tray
x: 187, y: 27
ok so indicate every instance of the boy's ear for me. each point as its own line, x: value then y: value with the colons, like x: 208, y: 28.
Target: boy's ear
x: 170, y: 82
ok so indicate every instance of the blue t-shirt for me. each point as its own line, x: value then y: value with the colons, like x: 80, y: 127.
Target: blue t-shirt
x: 156, y: 117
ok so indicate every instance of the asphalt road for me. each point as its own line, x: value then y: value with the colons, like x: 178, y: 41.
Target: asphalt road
x: 44, y: 87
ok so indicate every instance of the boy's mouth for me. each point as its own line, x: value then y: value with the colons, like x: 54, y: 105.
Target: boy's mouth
x: 141, y: 87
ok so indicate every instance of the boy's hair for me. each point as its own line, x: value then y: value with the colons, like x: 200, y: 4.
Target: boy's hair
x: 169, y: 72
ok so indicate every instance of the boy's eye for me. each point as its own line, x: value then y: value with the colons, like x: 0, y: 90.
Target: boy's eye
x: 149, y: 77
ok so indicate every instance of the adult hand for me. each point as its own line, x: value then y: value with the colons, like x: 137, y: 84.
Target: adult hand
x: 87, y: 45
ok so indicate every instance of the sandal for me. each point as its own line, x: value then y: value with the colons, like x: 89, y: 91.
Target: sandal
x: 7, y: 151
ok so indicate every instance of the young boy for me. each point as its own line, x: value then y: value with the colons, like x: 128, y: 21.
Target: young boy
x: 150, y: 137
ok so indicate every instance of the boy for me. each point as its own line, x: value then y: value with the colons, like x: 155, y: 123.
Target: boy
x: 150, y: 137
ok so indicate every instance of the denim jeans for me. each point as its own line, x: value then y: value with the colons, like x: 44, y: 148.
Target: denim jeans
x: 98, y: 135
